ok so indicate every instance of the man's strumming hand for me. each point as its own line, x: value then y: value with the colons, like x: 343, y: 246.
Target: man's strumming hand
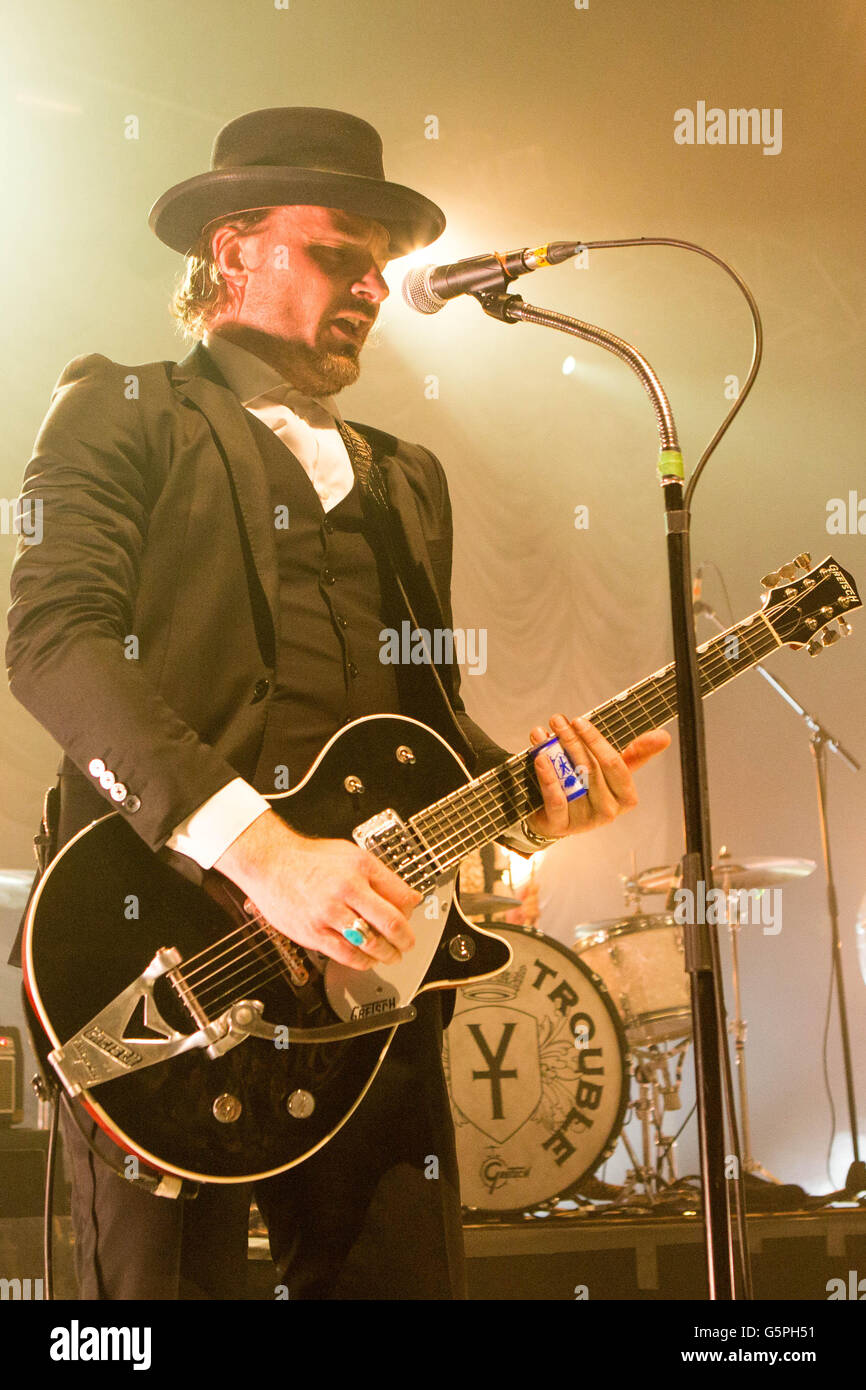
x: 311, y: 889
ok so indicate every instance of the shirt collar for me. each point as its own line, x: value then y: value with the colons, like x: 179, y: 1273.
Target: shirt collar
x: 255, y: 381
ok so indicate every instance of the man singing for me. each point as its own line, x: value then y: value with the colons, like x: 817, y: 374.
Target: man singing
x: 184, y: 647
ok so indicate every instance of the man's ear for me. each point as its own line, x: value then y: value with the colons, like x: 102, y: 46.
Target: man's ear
x: 228, y: 254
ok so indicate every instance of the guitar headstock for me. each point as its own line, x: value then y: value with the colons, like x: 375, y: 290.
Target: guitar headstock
x: 801, y: 606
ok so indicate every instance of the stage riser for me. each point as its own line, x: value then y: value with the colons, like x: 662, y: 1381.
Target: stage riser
x: 656, y: 1265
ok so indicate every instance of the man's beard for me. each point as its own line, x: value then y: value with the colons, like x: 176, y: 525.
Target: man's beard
x: 315, y: 371
x: 320, y: 372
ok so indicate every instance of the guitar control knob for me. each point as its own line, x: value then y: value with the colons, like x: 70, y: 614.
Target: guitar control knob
x: 353, y: 785
x: 301, y: 1104
x: 461, y: 947
x: 226, y: 1108
x: 404, y: 754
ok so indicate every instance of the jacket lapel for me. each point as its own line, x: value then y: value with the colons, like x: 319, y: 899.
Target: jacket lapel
x: 198, y: 380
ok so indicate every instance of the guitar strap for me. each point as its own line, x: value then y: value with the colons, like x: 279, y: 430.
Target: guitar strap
x: 380, y: 513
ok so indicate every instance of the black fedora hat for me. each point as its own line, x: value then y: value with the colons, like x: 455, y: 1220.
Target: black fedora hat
x: 287, y: 155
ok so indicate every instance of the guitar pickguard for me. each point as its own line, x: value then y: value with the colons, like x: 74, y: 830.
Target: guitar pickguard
x: 360, y: 994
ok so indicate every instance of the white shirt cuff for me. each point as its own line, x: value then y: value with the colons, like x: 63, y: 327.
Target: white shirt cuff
x: 208, y: 832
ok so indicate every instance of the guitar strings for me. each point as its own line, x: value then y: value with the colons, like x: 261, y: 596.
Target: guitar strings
x: 442, y: 812
x: 500, y: 811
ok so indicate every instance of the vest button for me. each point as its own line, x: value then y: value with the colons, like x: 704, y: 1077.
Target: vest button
x: 260, y: 690
x: 353, y: 670
x: 344, y: 622
x: 328, y: 578
x: 327, y: 526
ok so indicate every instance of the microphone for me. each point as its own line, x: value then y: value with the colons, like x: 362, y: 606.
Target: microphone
x: 428, y: 288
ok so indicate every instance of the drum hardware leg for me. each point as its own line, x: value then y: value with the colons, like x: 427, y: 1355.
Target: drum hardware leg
x: 635, y: 1177
x: 645, y: 1112
x: 738, y: 1028
x: 650, y: 1070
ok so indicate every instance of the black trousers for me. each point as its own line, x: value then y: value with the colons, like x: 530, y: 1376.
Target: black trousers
x: 373, y: 1215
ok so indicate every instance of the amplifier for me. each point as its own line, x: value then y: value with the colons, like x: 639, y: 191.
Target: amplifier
x: 11, y: 1068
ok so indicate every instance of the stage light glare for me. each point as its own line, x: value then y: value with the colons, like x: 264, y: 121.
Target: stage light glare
x: 568, y: 366
x: 32, y: 99
x: 520, y: 870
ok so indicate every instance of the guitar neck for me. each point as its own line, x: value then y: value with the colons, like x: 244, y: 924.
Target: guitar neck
x: 475, y: 814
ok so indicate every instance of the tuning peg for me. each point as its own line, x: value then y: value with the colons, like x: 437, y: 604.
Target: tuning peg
x: 829, y: 636
x: 804, y: 561
x: 844, y: 628
x: 814, y: 646
x: 770, y: 580
x: 788, y: 572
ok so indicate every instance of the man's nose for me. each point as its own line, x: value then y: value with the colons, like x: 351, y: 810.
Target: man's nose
x: 372, y: 286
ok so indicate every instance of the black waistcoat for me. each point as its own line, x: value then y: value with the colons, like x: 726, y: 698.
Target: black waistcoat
x: 336, y: 595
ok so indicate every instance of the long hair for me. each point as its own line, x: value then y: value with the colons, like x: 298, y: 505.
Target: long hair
x: 202, y: 292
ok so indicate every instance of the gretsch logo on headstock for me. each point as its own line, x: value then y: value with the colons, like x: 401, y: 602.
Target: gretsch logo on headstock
x: 841, y: 580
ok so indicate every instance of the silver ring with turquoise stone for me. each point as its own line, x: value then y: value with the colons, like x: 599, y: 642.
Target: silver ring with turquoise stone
x: 359, y: 933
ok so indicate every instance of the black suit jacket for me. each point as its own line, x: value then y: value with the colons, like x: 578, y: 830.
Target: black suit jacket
x: 141, y: 631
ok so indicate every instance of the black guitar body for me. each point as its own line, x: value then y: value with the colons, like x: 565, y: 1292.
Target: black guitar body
x: 108, y: 904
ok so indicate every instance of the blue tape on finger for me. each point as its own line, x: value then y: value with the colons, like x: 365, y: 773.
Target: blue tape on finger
x: 573, y: 780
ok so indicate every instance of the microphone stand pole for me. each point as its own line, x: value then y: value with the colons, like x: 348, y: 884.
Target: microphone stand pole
x: 820, y: 740
x: 709, y: 1032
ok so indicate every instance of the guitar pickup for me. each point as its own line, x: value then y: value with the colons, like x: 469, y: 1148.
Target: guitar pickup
x: 399, y: 846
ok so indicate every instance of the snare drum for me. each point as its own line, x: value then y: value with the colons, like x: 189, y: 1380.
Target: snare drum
x: 641, y: 961
x: 536, y: 1064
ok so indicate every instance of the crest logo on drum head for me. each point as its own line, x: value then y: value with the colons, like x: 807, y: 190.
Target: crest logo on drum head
x: 501, y: 1088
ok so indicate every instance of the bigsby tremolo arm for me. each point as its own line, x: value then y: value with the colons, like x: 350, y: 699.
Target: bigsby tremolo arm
x: 103, y: 1050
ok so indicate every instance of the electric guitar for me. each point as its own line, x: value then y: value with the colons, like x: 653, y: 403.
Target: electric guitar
x: 211, y: 1047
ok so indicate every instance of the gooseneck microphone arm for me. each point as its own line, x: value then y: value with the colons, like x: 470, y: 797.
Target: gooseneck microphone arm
x: 727, y: 1276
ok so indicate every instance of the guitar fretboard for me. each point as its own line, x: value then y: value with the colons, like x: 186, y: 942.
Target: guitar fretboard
x: 483, y: 809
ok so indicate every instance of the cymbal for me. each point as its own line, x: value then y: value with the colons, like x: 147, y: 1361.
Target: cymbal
x: 763, y: 871
x: 485, y: 904
x: 15, y: 886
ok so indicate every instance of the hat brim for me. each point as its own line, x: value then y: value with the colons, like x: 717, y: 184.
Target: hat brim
x: 179, y: 216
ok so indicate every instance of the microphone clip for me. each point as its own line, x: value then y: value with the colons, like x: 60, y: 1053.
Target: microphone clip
x: 497, y: 303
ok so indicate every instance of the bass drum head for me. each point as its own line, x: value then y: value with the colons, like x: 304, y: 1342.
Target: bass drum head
x: 536, y: 1064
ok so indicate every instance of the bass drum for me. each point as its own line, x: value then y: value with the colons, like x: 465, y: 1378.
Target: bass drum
x: 536, y: 1063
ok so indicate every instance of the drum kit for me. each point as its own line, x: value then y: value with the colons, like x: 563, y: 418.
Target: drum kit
x: 548, y: 1061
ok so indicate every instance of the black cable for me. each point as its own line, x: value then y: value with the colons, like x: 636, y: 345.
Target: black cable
x: 757, y: 346
x: 48, y: 1210
x: 149, y: 1181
